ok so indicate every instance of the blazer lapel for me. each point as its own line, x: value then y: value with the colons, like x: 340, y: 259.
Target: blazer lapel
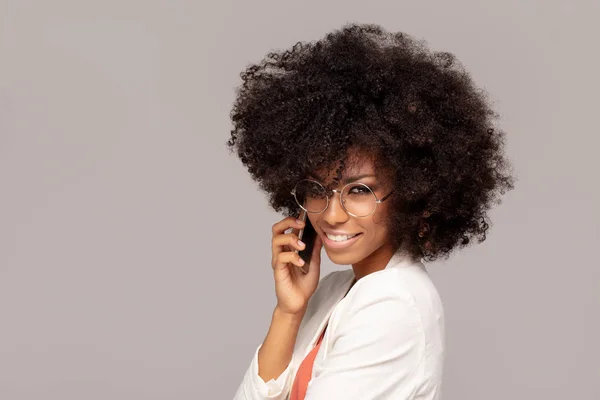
x: 332, y: 291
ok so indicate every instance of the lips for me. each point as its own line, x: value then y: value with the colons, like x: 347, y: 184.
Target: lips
x: 349, y: 235
x: 339, y: 233
x: 340, y: 245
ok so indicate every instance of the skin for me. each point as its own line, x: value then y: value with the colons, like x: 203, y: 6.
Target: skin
x: 371, y: 252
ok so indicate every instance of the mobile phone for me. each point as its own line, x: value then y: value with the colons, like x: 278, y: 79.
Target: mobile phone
x: 308, y: 235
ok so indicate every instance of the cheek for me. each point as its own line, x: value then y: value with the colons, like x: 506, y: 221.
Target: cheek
x: 373, y: 226
x: 313, y: 218
x: 380, y: 215
x: 377, y: 224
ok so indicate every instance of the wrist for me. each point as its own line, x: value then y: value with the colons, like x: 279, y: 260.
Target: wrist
x: 292, y: 318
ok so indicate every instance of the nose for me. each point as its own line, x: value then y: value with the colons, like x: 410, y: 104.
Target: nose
x: 335, y: 213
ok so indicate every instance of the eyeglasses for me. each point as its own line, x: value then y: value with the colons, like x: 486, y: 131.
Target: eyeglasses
x: 357, y: 199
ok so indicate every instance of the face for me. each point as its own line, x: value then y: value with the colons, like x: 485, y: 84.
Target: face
x: 370, y: 250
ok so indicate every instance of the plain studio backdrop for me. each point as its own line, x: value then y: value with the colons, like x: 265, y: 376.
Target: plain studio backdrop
x: 135, y: 251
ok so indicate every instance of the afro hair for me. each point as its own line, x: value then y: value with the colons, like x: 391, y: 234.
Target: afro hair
x: 417, y: 113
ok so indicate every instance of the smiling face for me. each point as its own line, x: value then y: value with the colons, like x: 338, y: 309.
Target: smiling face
x: 370, y: 250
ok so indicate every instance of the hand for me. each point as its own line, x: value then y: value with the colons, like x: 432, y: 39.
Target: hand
x: 293, y: 287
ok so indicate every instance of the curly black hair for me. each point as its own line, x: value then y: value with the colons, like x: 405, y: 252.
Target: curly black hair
x: 417, y: 112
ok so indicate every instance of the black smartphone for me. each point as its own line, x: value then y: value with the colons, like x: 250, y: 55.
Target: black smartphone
x: 308, y: 235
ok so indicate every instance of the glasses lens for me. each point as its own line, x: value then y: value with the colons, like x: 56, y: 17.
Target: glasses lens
x: 359, y: 199
x: 311, y: 196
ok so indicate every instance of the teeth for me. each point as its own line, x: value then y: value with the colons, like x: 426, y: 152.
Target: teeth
x: 340, y: 238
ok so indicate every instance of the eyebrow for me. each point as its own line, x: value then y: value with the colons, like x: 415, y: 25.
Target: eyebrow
x: 349, y: 179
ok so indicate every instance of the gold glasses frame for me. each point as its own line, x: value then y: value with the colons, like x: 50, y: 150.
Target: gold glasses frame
x: 328, y: 195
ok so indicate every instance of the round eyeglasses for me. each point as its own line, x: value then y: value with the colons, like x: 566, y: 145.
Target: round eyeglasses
x: 357, y: 199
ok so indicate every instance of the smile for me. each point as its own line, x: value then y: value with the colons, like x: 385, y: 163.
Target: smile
x: 339, y: 242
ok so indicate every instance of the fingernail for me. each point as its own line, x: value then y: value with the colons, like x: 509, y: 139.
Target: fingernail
x: 300, y: 243
x: 299, y: 222
x: 301, y: 261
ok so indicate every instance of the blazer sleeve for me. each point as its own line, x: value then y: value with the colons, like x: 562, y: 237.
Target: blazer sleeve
x: 376, y: 351
x: 253, y: 387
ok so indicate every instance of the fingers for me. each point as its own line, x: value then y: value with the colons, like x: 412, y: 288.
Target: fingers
x: 287, y: 239
x: 283, y: 244
x: 286, y: 257
x: 286, y: 223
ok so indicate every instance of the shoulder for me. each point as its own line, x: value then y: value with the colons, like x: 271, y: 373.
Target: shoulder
x: 396, y: 298
x: 380, y: 298
x: 333, y: 283
x: 410, y: 284
x: 379, y: 319
x: 329, y: 290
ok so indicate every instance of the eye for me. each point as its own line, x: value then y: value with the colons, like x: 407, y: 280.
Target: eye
x: 359, y: 189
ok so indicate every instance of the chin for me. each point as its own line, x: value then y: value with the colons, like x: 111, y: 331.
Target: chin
x: 342, y: 258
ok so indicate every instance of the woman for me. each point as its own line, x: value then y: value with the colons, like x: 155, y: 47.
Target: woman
x: 390, y: 148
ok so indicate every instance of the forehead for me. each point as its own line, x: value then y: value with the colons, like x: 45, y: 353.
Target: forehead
x: 355, y: 165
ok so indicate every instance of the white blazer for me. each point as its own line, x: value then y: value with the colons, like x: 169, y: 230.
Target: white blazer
x: 384, y: 339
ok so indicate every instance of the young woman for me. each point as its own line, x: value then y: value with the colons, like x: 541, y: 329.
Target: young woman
x: 391, y: 150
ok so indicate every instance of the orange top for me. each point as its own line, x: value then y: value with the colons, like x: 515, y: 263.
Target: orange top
x: 304, y: 372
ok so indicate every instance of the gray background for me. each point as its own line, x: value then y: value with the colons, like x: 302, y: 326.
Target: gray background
x: 135, y: 251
